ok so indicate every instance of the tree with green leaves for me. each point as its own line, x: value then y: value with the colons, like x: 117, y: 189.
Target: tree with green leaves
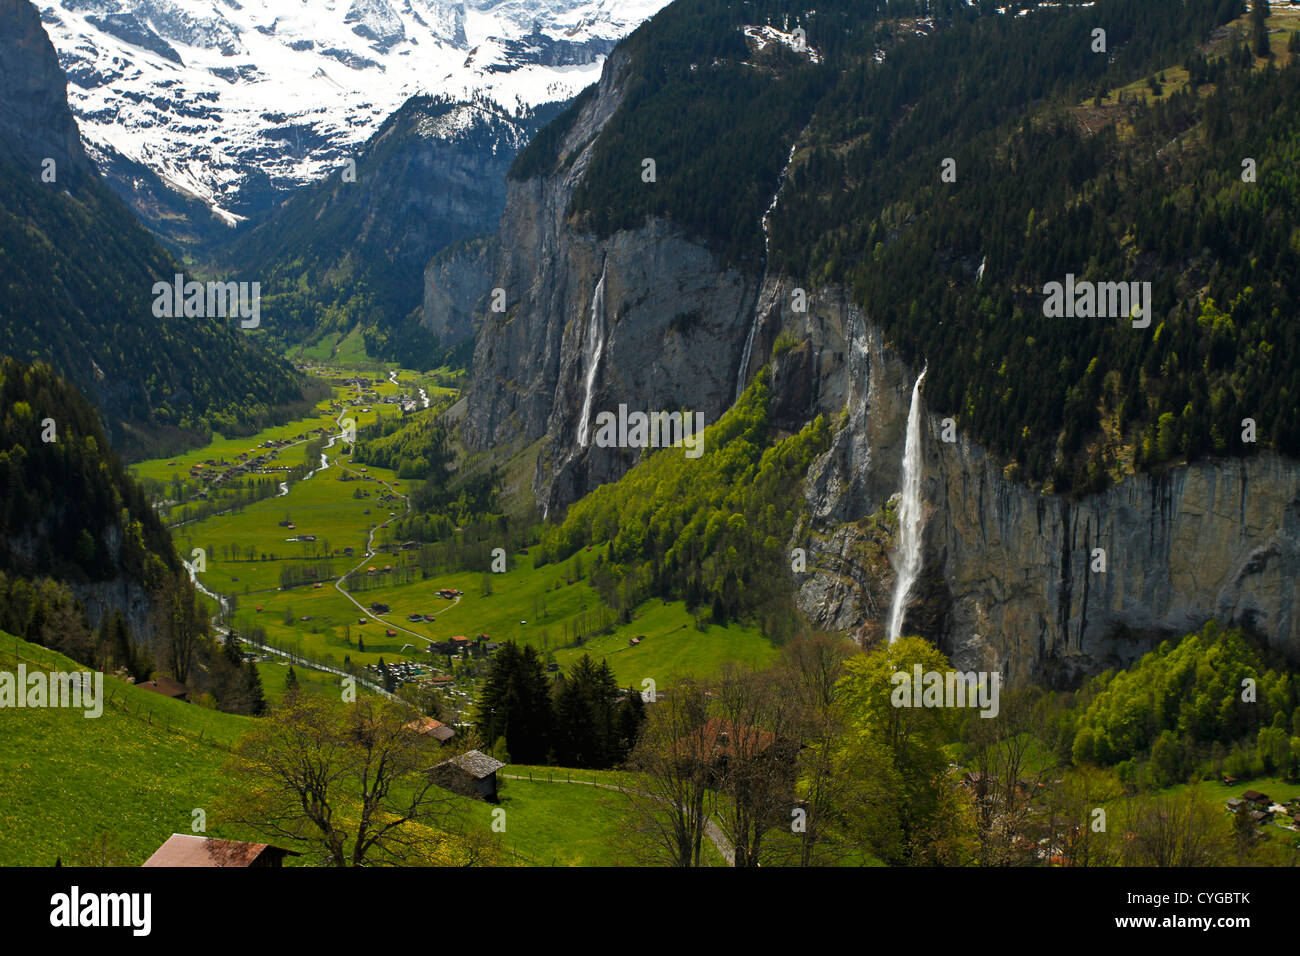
x: 912, y: 811
x: 586, y: 716
x: 1259, y: 13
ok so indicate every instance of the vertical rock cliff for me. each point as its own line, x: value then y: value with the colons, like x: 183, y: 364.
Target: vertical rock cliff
x: 1008, y: 579
x: 676, y: 322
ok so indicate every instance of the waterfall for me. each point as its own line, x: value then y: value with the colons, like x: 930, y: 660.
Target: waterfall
x: 592, y: 345
x: 767, y: 243
x: 910, y: 517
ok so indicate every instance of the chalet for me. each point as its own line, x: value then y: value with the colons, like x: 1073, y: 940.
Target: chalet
x: 167, y: 687
x: 718, y: 742
x: 1254, y: 796
x: 389, y: 632
x: 184, y: 849
x: 415, y: 618
x: 472, y: 774
x: 428, y: 727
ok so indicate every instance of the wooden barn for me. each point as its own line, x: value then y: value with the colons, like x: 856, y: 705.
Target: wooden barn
x: 472, y: 774
x: 185, y: 849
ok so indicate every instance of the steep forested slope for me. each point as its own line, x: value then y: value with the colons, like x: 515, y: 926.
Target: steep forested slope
x: 77, y: 273
x: 1120, y: 162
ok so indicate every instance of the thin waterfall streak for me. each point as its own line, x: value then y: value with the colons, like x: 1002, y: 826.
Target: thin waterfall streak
x: 593, y: 344
x: 911, y: 518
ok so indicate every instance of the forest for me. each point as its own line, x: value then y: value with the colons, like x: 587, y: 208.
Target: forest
x: 711, y: 531
x: 1146, y: 187
x: 83, y: 304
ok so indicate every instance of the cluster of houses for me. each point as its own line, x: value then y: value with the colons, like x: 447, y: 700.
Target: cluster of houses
x: 402, y: 672
x: 1263, y: 809
x: 462, y: 645
x: 217, y: 470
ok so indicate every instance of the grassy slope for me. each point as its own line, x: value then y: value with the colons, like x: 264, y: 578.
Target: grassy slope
x: 135, y: 773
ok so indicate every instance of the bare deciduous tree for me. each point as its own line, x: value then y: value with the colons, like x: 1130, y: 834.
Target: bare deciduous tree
x: 351, y: 785
x: 671, y: 801
x: 1181, y: 829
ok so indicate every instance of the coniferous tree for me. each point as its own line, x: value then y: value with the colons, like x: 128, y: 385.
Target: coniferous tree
x: 516, y: 704
x: 631, y: 717
x: 253, y: 689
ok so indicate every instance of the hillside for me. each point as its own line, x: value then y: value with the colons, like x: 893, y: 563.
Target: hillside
x: 78, y: 273
x: 104, y: 791
x: 898, y: 193
x: 867, y: 119
x: 70, y: 508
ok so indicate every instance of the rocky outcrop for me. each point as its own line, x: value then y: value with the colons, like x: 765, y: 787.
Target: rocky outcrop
x: 1021, y: 570
x: 456, y: 282
x: 35, y: 122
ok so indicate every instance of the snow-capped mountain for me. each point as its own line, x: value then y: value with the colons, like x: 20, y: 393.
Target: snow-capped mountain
x: 231, y: 102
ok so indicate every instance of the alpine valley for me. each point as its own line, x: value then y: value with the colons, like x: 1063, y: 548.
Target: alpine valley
x: 958, y: 502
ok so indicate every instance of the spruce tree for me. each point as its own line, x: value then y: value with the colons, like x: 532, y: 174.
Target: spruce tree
x: 253, y: 688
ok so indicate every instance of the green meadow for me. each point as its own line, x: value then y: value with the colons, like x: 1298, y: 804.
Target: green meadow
x: 551, y: 607
x: 106, y: 790
x: 110, y: 790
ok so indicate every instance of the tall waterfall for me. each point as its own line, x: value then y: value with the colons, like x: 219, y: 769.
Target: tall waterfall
x: 592, y: 345
x: 910, y: 517
x: 767, y: 242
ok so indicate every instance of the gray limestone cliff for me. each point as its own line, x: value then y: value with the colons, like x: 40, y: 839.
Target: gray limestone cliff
x: 1007, y: 580
x: 1011, y: 579
x: 674, y: 323
x: 35, y: 121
